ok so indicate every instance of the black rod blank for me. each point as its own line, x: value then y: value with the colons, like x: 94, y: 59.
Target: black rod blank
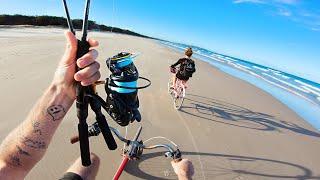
x: 70, y: 25
x: 85, y: 96
x: 85, y: 21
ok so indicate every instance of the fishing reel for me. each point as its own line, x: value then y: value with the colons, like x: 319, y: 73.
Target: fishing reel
x: 121, y: 88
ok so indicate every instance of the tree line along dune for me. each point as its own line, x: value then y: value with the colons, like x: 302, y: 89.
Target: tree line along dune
x: 60, y: 22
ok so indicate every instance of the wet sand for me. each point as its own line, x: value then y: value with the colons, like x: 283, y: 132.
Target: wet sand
x: 227, y: 127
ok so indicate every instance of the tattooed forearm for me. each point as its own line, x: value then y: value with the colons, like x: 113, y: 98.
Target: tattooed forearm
x: 25, y: 146
x: 56, y: 112
x: 22, y: 152
x: 35, y: 144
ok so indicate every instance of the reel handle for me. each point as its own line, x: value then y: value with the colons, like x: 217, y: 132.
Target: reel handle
x: 93, y: 130
x: 74, y: 139
x: 105, y: 130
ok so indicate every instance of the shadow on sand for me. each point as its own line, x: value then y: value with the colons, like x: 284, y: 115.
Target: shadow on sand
x: 234, y: 115
x: 222, y: 166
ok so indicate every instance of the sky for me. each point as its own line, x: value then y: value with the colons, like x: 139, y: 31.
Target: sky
x: 282, y: 34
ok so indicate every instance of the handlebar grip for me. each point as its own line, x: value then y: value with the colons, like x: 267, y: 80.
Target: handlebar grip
x: 84, y: 144
x: 177, y: 156
x: 74, y: 139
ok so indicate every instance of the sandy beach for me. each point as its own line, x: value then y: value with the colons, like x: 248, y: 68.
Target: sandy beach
x: 228, y: 128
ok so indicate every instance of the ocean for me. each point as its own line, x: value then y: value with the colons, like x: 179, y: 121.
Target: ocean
x: 299, y: 94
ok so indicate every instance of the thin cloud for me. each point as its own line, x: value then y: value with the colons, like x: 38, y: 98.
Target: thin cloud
x: 284, y: 12
x: 316, y: 29
x: 291, y: 9
x: 288, y: 2
x: 249, y: 1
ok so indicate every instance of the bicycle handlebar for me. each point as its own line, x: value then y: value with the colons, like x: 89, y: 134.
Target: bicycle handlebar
x: 136, y: 146
x: 166, y: 146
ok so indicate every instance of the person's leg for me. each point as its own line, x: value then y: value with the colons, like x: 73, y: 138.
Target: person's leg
x: 184, y: 82
x: 78, y: 172
x: 174, y: 80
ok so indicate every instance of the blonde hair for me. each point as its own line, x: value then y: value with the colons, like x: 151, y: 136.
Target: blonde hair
x: 188, y: 52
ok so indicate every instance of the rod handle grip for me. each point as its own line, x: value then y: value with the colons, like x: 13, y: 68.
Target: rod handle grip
x: 82, y: 49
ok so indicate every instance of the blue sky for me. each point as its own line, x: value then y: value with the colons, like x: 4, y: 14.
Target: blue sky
x: 283, y: 34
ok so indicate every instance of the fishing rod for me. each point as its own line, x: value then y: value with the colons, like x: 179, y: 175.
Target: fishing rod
x: 82, y: 101
x: 122, y: 101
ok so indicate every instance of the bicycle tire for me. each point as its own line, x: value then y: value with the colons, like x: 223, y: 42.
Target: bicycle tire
x: 170, y: 91
x: 178, y: 101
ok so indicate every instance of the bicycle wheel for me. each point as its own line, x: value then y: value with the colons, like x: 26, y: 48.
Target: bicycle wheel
x: 170, y: 90
x: 178, y: 101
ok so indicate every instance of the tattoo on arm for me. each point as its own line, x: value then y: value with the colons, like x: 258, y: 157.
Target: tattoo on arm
x: 15, y: 160
x: 36, y: 128
x: 35, y: 144
x: 22, y: 152
x: 56, y: 112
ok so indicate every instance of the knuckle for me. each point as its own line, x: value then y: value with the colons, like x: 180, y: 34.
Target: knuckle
x: 97, y: 65
x: 94, y: 78
x: 99, y: 75
x: 95, y: 53
x: 84, y: 83
x: 76, y: 77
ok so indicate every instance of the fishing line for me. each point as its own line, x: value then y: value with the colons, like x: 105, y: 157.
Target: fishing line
x: 113, y: 13
x: 112, y: 24
x: 109, y: 72
x: 124, y: 144
x: 111, y: 31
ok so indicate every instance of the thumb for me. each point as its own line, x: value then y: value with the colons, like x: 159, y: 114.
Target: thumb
x: 71, y: 49
x: 173, y: 164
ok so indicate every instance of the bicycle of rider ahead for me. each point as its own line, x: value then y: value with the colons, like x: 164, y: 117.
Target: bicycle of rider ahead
x: 178, y: 92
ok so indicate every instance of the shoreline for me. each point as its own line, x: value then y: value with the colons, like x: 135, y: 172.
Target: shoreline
x: 309, y: 113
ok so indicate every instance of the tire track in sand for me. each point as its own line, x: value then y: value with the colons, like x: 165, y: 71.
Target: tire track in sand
x: 193, y: 142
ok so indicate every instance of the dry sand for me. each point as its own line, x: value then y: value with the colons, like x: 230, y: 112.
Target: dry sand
x: 227, y: 127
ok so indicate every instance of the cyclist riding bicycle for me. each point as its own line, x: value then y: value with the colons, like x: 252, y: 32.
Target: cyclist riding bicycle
x: 186, y: 68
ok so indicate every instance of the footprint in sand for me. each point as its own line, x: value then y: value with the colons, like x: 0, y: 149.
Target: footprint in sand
x: 6, y: 76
